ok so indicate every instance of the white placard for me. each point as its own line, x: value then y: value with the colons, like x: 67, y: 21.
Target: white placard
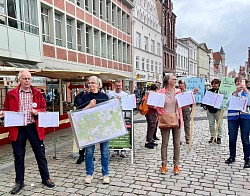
x: 12, y: 119
x: 219, y: 101
x: 237, y: 103
x: 48, y: 119
x: 184, y: 99
x: 156, y: 99
x: 213, y: 99
x: 128, y: 102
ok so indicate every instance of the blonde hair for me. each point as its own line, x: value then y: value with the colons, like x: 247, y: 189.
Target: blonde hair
x: 97, y: 80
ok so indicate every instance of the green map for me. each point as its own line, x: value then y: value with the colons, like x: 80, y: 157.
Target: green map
x: 98, y: 124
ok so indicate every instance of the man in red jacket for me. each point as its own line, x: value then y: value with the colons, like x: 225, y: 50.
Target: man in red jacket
x: 25, y: 98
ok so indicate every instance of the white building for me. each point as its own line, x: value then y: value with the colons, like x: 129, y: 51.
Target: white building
x: 181, y: 59
x: 192, y: 55
x: 147, y: 43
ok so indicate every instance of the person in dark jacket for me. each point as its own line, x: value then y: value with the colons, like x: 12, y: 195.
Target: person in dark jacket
x: 213, y: 114
x: 78, y: 104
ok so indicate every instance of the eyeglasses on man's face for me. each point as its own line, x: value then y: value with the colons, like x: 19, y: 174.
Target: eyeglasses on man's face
x: 26, y: 79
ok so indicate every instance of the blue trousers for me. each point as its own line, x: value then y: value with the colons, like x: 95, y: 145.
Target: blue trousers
x: 29, y: 132
x: 233, y: 126
x: 89, y: 158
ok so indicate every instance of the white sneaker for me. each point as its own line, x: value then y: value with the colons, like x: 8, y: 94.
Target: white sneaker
x: 88, y: 179
x: 106, y: 180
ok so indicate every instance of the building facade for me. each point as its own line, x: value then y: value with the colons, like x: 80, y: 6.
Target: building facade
x: 181, y: 59
x: 167, y: 21
x: 203, y: 61
x: 78, y: 35
x: 192, y: 55
x: 147, y: 44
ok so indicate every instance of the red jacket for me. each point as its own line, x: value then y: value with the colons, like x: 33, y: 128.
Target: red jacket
x: 11, y: 103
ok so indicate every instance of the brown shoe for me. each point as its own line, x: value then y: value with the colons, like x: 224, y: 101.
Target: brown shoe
x: 176, y: 170
x: 163, y: 169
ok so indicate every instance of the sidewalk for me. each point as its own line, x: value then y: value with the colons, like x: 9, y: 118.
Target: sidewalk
x: 203, y: 171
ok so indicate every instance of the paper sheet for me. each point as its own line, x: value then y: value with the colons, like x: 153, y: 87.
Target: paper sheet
x: 48, y: 119
x: 156, y: 99
x: 185, y: 99
x: 12, y: 119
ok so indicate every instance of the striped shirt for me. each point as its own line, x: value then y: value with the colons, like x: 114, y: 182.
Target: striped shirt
x: 25, y: 104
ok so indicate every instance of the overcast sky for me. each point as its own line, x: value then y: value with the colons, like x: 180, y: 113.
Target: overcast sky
x: 217, y: 23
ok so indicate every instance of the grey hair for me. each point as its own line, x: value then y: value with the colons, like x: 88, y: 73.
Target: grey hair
x: 167, y: 79
x: 20, y: 73
x: 97, y: 80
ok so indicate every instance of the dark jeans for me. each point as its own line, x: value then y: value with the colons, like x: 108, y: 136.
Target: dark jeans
x: 233, y: 126
x: 152, y: 122
x: 29, y: 132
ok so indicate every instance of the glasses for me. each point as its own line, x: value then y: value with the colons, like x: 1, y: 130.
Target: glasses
x: 26, y: 79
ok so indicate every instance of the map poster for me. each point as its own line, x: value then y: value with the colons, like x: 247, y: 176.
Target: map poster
x: 199, y: 83
x: 227, y: 87
x: 98, y: 124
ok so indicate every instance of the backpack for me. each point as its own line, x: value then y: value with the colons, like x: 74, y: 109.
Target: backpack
x: 143, y: 107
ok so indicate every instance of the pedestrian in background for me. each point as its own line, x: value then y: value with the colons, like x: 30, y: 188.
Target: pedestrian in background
x: 26, y: 98
x: 238, y: 119
x: 117, y: 93
x: 151, y: 118
x: 213, y: 114
x: 89, y: 100
x: 186, y: 112
x: 171, y: 106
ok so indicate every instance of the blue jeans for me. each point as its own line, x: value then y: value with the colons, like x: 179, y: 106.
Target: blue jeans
x: 233, y: 126
x: 89, y: 158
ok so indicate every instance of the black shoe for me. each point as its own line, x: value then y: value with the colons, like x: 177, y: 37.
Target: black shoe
x: 211, y: 140
x: 17, y: 188
x: 187, y: 141
x: 156, y: 138
x: 80, y: 160
x: 218, y: 140
x: 247, y: 164
x: 229, y: 160
x: 154, y: 143
x: 48, y: 183
x: 149, y: 146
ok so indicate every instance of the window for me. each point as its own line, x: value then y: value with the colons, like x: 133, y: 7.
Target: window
x: 124, y: 52
x: 45, y: 24
x: 114, y: 49
x: 79, y: 37
x: 30, y: 16
x: 152, y: 65
x: 128, y: 54
x: 87, y: 5
x: 152, y: 46
x: 94, y: 7
x: 158, y: 49
x: 138, y: 40
x: 101, y: 9
x: 137, y: 63
x: 123, y: 21
x: 143, y: 64
x: 88, y: 39
x: 103, y: 45
x: 119, y: 17
x: 113, y: 15
x: 107, y: 11
x: 147, y: 64
x: 58, y: 27
x: 145, y: 43
x: 15, y: 15
x: 109, y: 43
x: 156, y: 67
x: 2, y: 12
x: 96, y: 41
x: 119, y: 51
x: 69, y: 34
x: 160, y: 68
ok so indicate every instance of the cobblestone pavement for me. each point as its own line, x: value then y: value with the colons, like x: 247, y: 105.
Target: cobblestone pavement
x: 203, y: 171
